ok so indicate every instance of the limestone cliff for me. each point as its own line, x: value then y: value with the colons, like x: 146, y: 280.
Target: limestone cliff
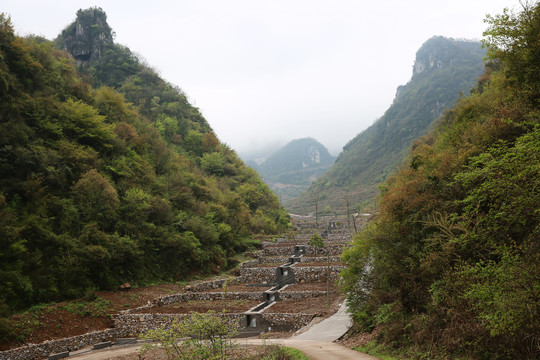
x: 443, y: 69
x: 88, y: 36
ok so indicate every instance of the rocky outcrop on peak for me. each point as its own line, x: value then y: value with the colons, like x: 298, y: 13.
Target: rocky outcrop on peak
x: 88, y: 36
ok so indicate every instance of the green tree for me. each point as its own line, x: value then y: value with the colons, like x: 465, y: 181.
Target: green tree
x: 96, y: 197
x: 514, y: 40
x: 316, y: 241
x: 210, y: 337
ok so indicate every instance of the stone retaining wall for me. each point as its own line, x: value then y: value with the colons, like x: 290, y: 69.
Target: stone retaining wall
x: 140, y: 323
x: 213, y: 284
x: 250, y: 263
x: 171, y: 299
x: 334, y: 248
x: 299, y: 295
x: 38, y: 351
x: 301, y: 274
x: 274, y: 259
x: 316, y: 273
x: 320, y: 259
x: 258, y: 275
x: 278, y: 251
x: 166, y: 300
x: 287, y: 322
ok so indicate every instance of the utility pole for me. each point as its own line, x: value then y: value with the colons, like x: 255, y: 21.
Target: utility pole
x: 316, y: 200
x: 327, y: 270
x: 348, y: 212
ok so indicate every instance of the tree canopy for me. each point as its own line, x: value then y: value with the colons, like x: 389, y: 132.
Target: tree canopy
x: 107, y: 179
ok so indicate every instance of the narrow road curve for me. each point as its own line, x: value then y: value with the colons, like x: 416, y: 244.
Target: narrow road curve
x: 313, y: 349
x: 329, y: 329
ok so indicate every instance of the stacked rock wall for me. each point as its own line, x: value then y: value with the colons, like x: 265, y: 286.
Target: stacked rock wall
x: 316, y: 273
x: 38, y: 351
x: 140, y: 323
x: 299, y: 295
x: 287, y: 322
x: 264, y: 275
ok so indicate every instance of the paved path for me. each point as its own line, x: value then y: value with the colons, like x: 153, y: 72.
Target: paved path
x: 315, y: 350
x: 329, y: 329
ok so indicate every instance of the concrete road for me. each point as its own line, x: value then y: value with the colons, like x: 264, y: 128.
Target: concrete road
x: 329, y: 329
x: 315, y: 350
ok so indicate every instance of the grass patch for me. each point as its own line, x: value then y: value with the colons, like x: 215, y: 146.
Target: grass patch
x: 374, y: 349
x: 98, y: 307
x: 294, y: 354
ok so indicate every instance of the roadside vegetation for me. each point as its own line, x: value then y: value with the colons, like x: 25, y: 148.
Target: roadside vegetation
x: 450, y: 267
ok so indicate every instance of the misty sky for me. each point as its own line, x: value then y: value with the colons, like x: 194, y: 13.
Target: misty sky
x: 267, y: 72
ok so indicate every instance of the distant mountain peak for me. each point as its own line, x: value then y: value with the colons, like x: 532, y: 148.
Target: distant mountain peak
x: 443, y: 69
x: 293, y: 167
x: 88, y: 36
x: 439, y: 52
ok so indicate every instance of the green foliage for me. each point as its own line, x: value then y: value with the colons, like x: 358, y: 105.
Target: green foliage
x: 95, y: 308
x: 375, y: 349
x: 316, y: 241
x: 95, y: 197
x: 108, y: 174
x: 450, y: 266
x: 209, y: 337
x: 278, y: 352
x: 514, y: 40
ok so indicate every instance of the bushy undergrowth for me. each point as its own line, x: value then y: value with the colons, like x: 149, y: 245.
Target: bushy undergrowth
x: 450, y: 266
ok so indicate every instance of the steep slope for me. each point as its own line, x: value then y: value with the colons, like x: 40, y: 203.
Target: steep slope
x: 454, y: 253
x: 290, y: 170
x: 443, y: 68
x: 103, y: 185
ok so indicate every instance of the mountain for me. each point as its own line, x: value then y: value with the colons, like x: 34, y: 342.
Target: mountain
x: 450, y: 265
x: 109, y: 175
x: 443, y: 69
x: 291, y: 169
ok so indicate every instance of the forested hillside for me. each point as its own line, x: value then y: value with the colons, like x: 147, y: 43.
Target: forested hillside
x: 450, y: 268
x: 443, y: 68
x: 291, y: 169
x: 108, y: 174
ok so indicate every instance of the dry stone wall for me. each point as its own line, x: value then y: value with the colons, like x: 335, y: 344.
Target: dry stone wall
x: 287, y: 322
x: 299, y: 295
x: 213, y: 284
x: 310, y: 259
x: 140, y: 323
x: 258, y: 275
x: 274, y: 259
x: 38, y: 351
x: 316, y: 273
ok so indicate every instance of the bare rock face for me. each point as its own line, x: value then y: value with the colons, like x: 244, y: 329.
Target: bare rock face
x: 88, y: 36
